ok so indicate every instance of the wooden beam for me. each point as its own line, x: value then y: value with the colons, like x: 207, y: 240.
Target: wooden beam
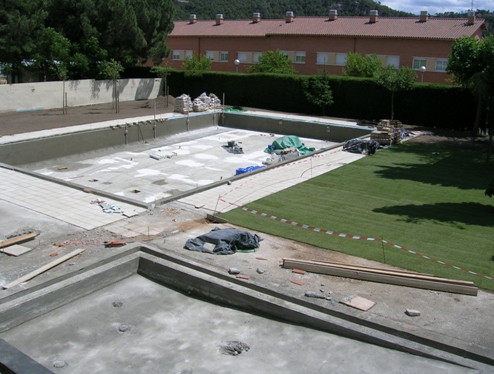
x: 382, y: 276
x: 44, y: 268
x: 18, y: 239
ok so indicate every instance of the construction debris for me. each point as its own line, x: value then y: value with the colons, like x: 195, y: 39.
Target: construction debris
x: 358, y: 302
x: 234, y: 348
x: 184, y: 104
x: 233, y: 271
x: 114, y: 243
x: 225, y: 242
x: 17, y: 239
x: 315, y: 295
x: 412, y: 312
x: 16, y: 250
x: 384, y: 276
x: 44, y: 268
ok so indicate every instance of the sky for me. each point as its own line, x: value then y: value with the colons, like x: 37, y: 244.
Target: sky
x: 438, y: 6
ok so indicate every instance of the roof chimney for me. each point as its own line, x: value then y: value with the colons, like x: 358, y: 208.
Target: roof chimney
x: 219, y: 19
x: 289, y: 17
x: 192, y: 18
x: 424, y: 16
x: 471, y: 17
x: 256, y: 18
x: 373, y: 16
x: 333, y: 15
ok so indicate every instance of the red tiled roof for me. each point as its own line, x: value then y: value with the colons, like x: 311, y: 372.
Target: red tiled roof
x: 385, y: 27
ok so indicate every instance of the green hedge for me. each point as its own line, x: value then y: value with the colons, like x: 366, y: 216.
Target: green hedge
x: 360, y: 99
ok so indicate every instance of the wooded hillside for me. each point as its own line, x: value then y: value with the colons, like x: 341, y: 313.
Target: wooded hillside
x: 271, y: 9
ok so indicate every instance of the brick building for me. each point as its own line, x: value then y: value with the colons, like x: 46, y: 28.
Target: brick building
x: 317, y: 43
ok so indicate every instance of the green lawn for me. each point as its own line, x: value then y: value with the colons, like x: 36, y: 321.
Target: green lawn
x: 428, y: 198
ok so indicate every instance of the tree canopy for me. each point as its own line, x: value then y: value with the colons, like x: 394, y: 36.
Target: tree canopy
x: 317, y: 91
x: 276, y: 9
x: 396, y: 80
x: 274, y: 62
x: 367, y: 66
x: 471, y: 63
x: 39, y: 34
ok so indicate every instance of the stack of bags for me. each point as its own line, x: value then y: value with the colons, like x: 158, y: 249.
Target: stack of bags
x: 183, y: 104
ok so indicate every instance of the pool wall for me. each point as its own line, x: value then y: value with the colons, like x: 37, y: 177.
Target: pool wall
x: 48, y: 147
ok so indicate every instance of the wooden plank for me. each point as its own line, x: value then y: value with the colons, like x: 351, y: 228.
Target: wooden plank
x: 465, y: 288
x: 291, y: 263
x: 371, y: 268
x: 44, y: 268
x: 17, y: 239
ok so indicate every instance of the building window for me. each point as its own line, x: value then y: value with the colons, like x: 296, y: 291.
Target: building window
x: 176, y: 55
x: 441, y: 65
x: 255, y: 57
x: 340, y: 59
x: 242, y: 56
x: 300, y: 57
x: 210, y: 55
x: 322, y: 58
x: 224, y: 56
x: 418, y: 63
x: 394, y: 61
x: 188, y: 55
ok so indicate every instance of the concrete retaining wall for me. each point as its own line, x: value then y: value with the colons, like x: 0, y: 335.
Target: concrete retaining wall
x: 48, y: 95
x: 286, y: 126
x: 42, y: 149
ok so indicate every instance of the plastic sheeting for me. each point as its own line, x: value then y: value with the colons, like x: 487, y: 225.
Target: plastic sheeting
x: 226, y: 242
x: 247, y: 169
x: 290, y: 141
x: 361, y: 146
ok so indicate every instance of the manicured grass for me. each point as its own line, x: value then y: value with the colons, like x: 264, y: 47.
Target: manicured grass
x: 428, y: 198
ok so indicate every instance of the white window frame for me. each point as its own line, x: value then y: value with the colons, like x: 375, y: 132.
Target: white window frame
x: 299, y: 57
x: 210, y: 55
x: 443, y: 62
x: 418, y: 62
x: 322, y: 58
x: 175, y: 55
x: 223, y: 56
x: 341, y: 59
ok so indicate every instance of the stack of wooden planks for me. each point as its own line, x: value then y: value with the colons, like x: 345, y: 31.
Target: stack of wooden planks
x: 402, y: 278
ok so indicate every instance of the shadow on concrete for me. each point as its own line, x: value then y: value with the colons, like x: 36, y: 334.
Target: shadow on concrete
x: 144, y: 89
x: 457, y: 214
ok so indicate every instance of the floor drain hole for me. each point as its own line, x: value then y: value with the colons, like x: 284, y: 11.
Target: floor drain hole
x: 135, y: 191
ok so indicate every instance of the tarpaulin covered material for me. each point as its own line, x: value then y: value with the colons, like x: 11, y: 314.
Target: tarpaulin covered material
x: 361, y: 146
x: 248, y: 169
x: 226, y: 241
x: 290, y: 141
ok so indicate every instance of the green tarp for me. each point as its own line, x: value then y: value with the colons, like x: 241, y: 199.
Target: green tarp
x: 290, y: 141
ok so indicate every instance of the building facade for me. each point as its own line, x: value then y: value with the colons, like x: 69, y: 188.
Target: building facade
x: 323, y: 43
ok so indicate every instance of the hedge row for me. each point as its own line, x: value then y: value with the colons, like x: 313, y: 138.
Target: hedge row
x: 360, y: 99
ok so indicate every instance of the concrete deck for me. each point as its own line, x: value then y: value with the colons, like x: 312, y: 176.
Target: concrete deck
x: 59, y: 206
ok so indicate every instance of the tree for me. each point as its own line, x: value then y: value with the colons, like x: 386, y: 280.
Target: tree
x: 111, y: 70
x: 471, y: 63
x: 395, y: 80
x: 317, y: 91
x: 21, y: 26
x: 362, y: 66
x: 52, y: 50
x: 273, y: 62
x: 162, y: 71
x: 196, y: 65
